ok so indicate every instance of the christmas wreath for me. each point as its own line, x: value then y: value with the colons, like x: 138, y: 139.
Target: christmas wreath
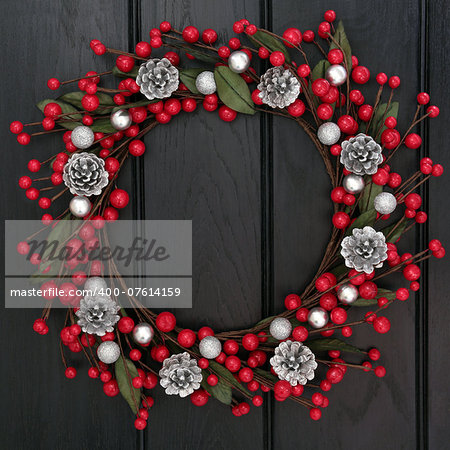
x: 300, y: 353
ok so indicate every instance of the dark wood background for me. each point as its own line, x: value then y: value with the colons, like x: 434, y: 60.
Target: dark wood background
x: 251, y: 188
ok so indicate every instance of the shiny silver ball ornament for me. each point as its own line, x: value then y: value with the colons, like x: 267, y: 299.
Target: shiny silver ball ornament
x: 82, y: 137
x: 143, y: 333
x: 121, y: 119
x: 210, y: 347
x: 347, y: 293
x: 328, y: 133
x: 336, y: 75
x: 385, y: 203
x: 95, y: 285
x: 353, y: 184
x: 238, y: 61
x: 280, y: 328
x: 317, y: 317
x: 80, y: 206
x: 205, y: 83
x: 108, y: 352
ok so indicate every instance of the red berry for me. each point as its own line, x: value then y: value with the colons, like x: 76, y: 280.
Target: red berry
x: 423, y: 98
x: 143, y: 49
x: 70, y: 372
x: 324, y: 30
x: 230, y: 347
x: 381, y: 324
x: 277, y: 58
x: 250, y: 342
x: 330, y: 15
x: 190, y: 34
x: 23, y: 138
x: 413, y: 201
x: 200, y: 397
x: 136, y: 147
x: 380, y: 371
x: 382, y: 78
x: 360, y: 74
x: 335, y: 56
x: 209, y: 36
x: 433, y: 111
x: 119, y: 198
x: 186, y: 338
x: 125, y: 325
x: 300, y: 333
x: 166, y: 322
x: 293, y: 36
x: 320, y: 87
x: 292, y: 301
x: 227, y: 114
x: 413, y: 141
x: 297, y: 108
x: 341, y: 220
x: 16, y: 127
x: 394, y: 82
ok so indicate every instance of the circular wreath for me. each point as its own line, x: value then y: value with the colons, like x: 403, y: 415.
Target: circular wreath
x: 300, y: 353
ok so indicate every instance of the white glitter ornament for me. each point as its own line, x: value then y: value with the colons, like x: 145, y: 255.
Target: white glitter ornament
x: 108, y: 352
x: 353, y: 184
x: 347, y: 293
x: 210, y: 347
x: 317, y: 317
x: 82, y: 137
x: 238, y: 61
x: 143, y: 333
x: 121, y: 119
x: 385, y: 203
x: 328, y: 133
x: 80, y: 206
x: 205, y: 83
x: 336, y: 75
x: 280, y: 328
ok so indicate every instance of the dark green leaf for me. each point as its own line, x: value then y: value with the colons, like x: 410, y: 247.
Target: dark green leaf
x: 319, y: 69
x: 135, y: 104
x: 221, y: 391
x: 198, y: 54
x: 233, y: 90
x: 74, y: 98
x: 132, y: 74
x: 380, y: 116
x: 374, y: 301
x: 267, y: 375
x: 103, y: 126
x: 365, y: 219
x: 397, y: 233
x: 66, y: 108
x: 270, y: 42
x: 342, y: 39
x: 188, y: 77
x: 129, y: 393
x: 265, y: 320
x: 227, y: 376
x: 368, y: 196
x: 340, y: 270
x: 318, y: 345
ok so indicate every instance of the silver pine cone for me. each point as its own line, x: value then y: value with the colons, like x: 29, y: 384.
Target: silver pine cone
x: 294, y: 362
x: 180, y: 375
x: 157, y: 78
x: 85, y: 174
x: 97, y: 314
x: 361, y: 155
x: 279, y: 88
x: 364, y: 249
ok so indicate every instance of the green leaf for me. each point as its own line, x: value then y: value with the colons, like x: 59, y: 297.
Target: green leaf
x: 368, y: 196
x: 198, y: 54
x: 318, y: 345
x: 340, y: 270
x: 135, y: 104
x: 221, y: 391
x: 374, y: 301
x: 319, y: 69
x: 233, y: 90
x: 265, y: 320
x: 380, y: 116
x: 102, y: 126
x: 188, y: 77
x: 66, y: 108
x: 397, y: 233
x: 365, y: 219
x: 132, y: 74
x: 223, y: 372
x: 270, y: 42
x: 130, y: 394
x: 342, y: 39
x: 267, y: 375
x: 74, y: 98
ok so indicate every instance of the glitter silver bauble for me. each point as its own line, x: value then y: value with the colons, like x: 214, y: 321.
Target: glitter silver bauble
x: 210, y: 347
x: 238, y: 61
x: 80, y: 206
x: 82, y: 137
x: 143, y: 333
x: 353, y: 184
x: 385, y: 203
x: 347, y: 293
x: 95, y: 284
x: 328, y: 133
x: 121, y: 119
x: 108, y: 352
x: 280, y: 328
x: 205, y: 83
x: 317, y: 317
x: 336, y: 75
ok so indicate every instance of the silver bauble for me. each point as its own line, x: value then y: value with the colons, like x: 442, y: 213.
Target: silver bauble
x: 205, y: 83
x: 280, y: 328
x: 210, y: 347
x: 82, y: 137
x: 385, y: 203
x: 80, y: 206
x: 317, y: 317
x: 121, y: 119
x: 347, y: 293
x: 336, y: 75
x: 328, y: 133
x: 353, y: 184
x: 143, y: 333
x: 95, y: 285
x: 108, y: 352
x: 238, y: 61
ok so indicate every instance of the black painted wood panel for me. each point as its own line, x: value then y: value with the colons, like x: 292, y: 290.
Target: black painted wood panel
x: 252, y: 189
